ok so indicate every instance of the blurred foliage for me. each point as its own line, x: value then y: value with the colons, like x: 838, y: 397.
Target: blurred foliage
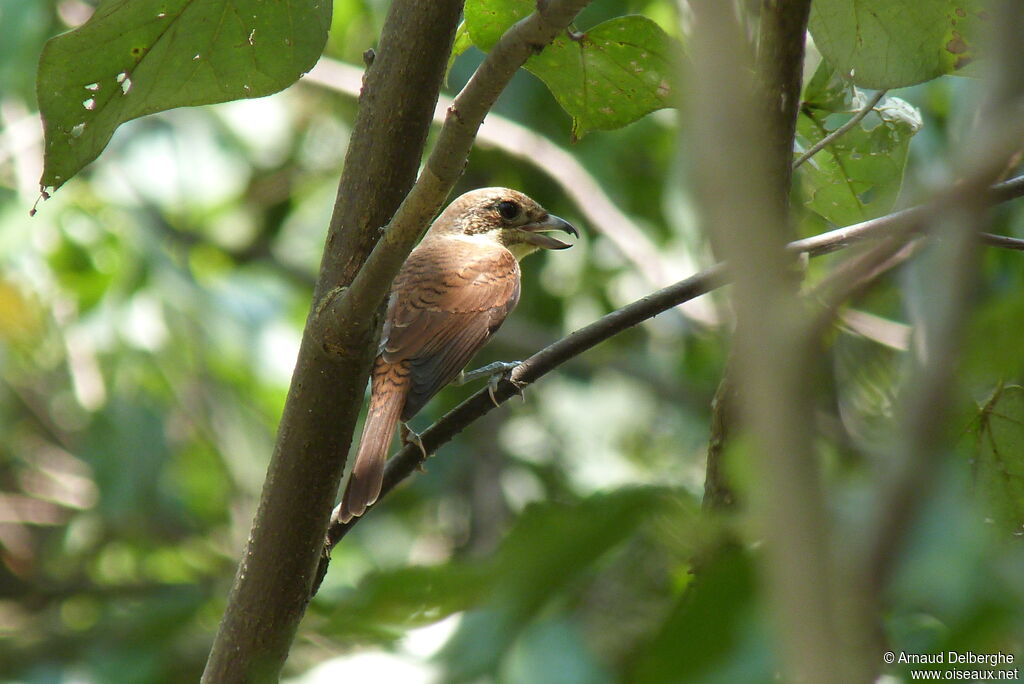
x: 151, y: 311
x: 147, y: 56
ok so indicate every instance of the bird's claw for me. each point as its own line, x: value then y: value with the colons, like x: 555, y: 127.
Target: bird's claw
x: 492, y: 385
x: 505, y: 373
x: 410, y: 437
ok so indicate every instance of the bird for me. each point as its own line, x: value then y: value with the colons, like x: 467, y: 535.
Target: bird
x: 450, y: 296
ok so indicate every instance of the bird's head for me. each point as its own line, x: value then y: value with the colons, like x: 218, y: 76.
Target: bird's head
x: 504, y: 216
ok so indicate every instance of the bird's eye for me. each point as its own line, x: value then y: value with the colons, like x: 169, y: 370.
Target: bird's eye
x: 508, y: 210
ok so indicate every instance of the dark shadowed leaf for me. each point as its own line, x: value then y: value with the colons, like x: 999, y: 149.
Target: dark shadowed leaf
x: 999, y: 464
x: 896, y: 43
x: 137, y: 57
x: 712, y: 633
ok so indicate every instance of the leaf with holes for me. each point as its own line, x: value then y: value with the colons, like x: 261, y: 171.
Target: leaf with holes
x: 858, y: 176
x: 999, y: 464
x: 605, y: 78
x: 137, y: 57
x: 896, y: 43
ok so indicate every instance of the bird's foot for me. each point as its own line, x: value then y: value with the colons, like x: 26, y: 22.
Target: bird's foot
x: 498, y: 369
x: 494, y: 372
x: 410, y: 437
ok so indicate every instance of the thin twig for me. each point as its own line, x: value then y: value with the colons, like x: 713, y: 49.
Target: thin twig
x: 1002, y: 241
x: 831, y: 137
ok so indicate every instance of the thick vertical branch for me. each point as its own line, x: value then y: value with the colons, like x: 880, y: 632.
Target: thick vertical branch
x: 743, y: 134
x: 780, y: 60
x: 272, y: 584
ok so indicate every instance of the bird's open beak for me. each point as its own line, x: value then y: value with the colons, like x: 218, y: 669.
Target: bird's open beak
x: 534, y: 232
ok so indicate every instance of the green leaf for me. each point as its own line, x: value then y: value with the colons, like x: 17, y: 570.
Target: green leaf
x: 550, y: 547
x: 487, y: 20
x: 858, y: 176
x: 896, y: 43
x: 137, y: 57
x: 828, y: 90
x: 609, y: 76
x: 605, y: 78
x: 712, y: 633
x: 463, y: 41
x: 999, y: 465
x: 387, y: 603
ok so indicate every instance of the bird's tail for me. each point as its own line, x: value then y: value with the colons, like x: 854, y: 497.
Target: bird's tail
x: 387, y: 397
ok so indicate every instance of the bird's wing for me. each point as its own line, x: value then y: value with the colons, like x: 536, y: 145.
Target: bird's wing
x: 446, y: 303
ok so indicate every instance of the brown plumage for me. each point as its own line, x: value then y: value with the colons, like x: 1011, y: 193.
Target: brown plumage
x: 451, y: 295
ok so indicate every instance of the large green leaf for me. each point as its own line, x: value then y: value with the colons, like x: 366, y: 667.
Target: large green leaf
x: 999, y: 464
x: 136, y: 57
x: 605, y: 78
x: 858, y: 176
x: 386, y: 603
x: 550, y: 546
x: 896, y: 43
x: 713, y: 632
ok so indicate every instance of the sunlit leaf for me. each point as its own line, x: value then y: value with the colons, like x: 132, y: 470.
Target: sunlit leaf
x: 486, y: 20
x: 605, y: 78
x: 137, y: 57
x: 896, y: 43
x: 609, y: 76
